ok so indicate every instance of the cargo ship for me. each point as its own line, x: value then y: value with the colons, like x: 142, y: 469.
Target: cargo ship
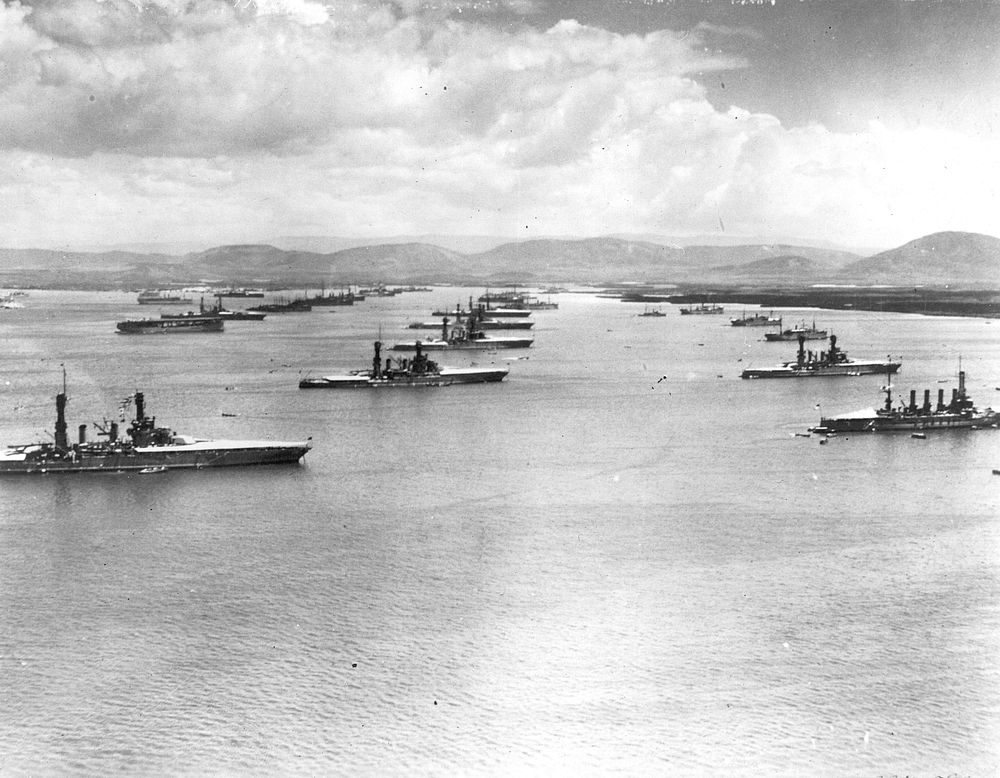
x: 833, y: 362
x: 803, y: 329
x: 702, y: 309
x: 466, y: 337
x: 159, y: 297
x: 145, y: 447
x: 755, y: 320
x: 959, y: 413
x: 188, y: 322
x: 401, y: 372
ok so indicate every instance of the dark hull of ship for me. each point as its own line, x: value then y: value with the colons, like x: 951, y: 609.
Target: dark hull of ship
x: 822, y: 371
x: 165, y: 301
x: 477, y: 344
x: 794, y: 335
x: 701, y: 311
x: 483, y: 325
x: 907, y: 422
x: 170, y: 326
x: 762, y: 321
x: 444, y: 378
x: 136, y: 460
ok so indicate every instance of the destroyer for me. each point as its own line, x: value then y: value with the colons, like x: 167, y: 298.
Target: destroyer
x: 959, y: 413
x: 418, y: 371
x: 145, y: 447
x: 822, y: 363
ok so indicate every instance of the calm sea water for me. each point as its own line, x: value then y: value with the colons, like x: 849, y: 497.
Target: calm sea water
x: 620, y: 560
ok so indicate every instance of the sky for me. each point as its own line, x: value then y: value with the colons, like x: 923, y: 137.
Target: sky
x: 858, y: 123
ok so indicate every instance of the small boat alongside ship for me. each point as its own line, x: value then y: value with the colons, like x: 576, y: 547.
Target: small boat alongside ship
x: 403, y: 372
x: 959, y: 413
x: 144, y: 448
x: 809, y: 332
x: 833, y: 362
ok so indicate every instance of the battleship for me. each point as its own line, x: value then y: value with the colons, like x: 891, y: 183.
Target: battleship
x: 834, y: 362
x: 807, y: 331
x: 468, y: 337
x: 958, y: 413
x: 145, y: 447
x: 401, y: 372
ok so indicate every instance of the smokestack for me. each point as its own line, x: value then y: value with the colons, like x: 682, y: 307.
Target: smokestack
x: 61, y: 441
x: 961, y: 384
x: 113, y: 433
x: 83, y: 434
x: 444, y: 328
x: 377, y: 361
x: 913, y: 401
x: 140, y: 406
x: 940, y: 405
x: 801, y: 356
x: 927, y: 400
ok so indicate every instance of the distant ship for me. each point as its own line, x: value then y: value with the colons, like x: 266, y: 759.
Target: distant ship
x: 340, y: 298
x: 283, y: 306
x: 467, y: 337
x: 755, y: 320
x: 833, y: 362
x: 702, y: 309
x: 806, y: 331
x: 162, y: 297
x: 652, y: 312
x: 219, y: 312
x: 190, y: 323
x: 415, y: 371
x: 240, y: 292
x: 145, y: 448
x: 483, y: 324
x: 959, y: 413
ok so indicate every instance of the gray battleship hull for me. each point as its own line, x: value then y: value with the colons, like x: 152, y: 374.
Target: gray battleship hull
x: 197, y: 455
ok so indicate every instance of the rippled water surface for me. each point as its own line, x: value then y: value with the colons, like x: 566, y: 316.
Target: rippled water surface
x: 620, y: 560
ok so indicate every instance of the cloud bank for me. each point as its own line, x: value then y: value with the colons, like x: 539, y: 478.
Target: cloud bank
x: 229, y: 120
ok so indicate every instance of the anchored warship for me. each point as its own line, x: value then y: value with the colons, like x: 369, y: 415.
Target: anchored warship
x: 144, y: 447
x: 833, y: 362
x: 959, y: 413
x: 403, y: 371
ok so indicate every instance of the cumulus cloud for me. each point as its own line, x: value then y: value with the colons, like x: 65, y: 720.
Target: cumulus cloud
x: 223, y: 118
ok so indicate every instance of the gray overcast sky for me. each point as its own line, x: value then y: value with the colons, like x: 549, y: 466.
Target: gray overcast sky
x: 861, y: 123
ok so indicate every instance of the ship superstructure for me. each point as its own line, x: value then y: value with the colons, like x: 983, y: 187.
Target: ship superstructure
x: 832, y: 362
x: 144, y: 447
x: 958, y: 413
x: 405, y: 371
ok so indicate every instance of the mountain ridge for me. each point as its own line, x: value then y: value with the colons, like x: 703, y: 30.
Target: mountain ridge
x: 939, y: 258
